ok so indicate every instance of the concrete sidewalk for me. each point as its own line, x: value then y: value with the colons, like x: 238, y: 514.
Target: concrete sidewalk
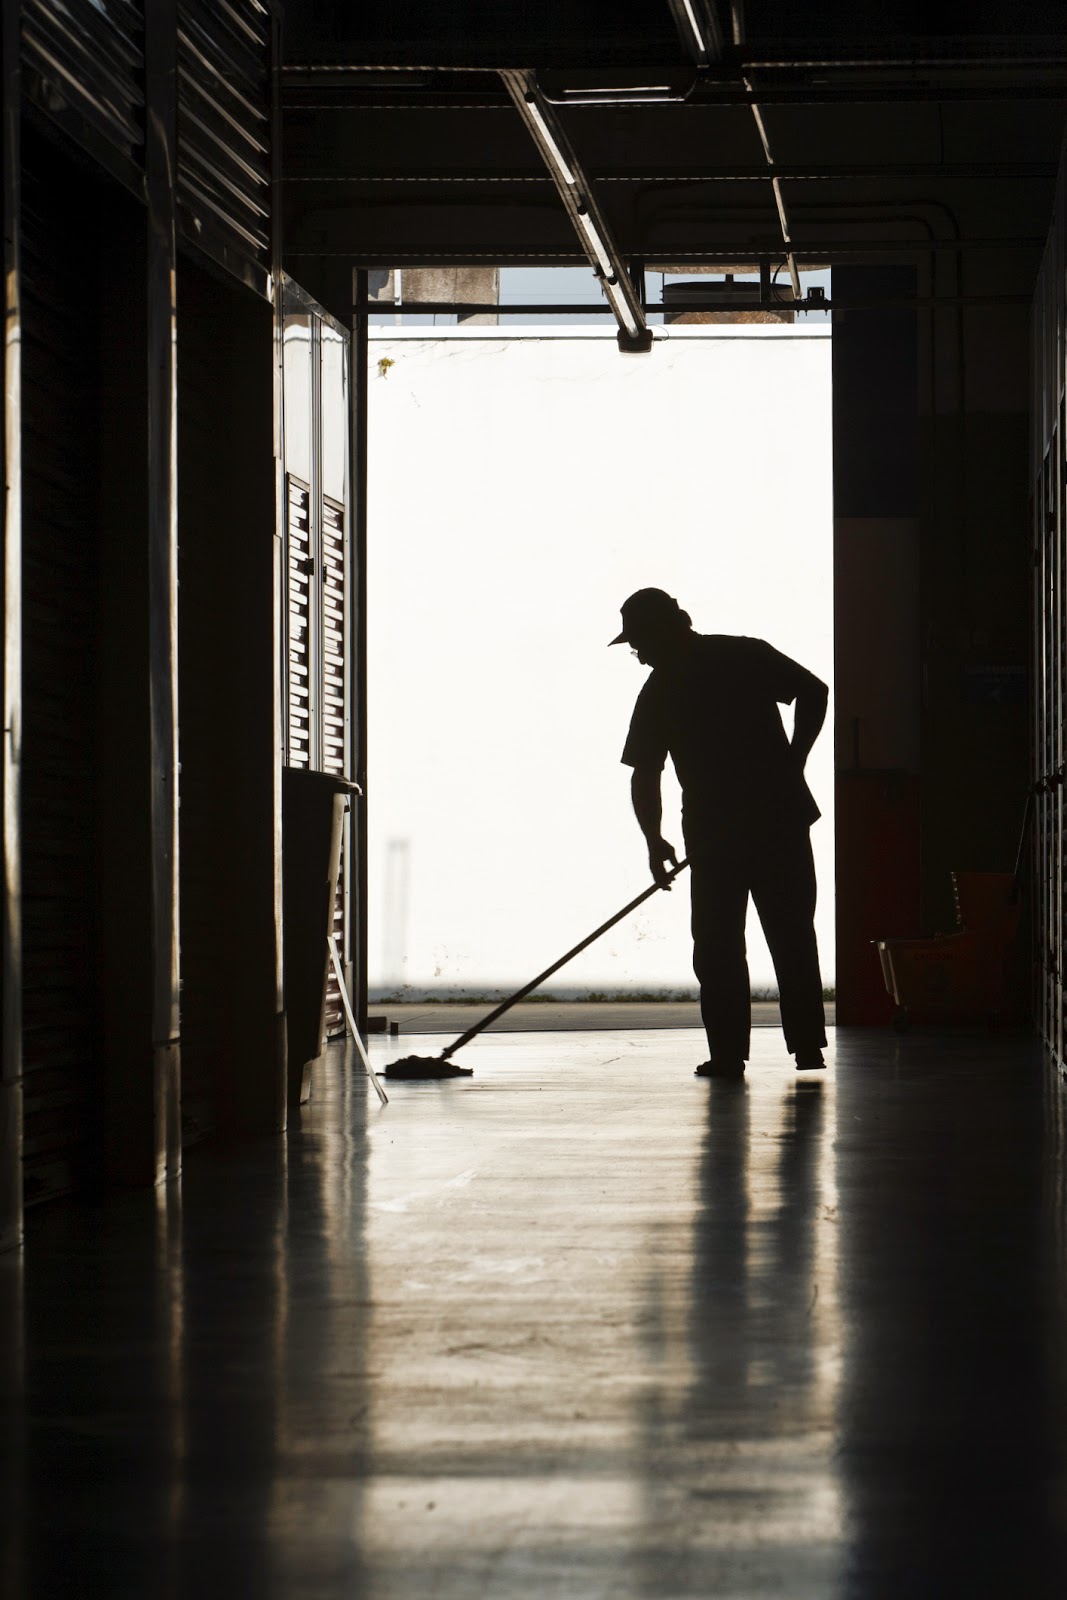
x: 566, y: 1016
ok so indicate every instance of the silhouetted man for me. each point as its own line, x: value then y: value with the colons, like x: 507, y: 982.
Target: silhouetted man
x: 711, y: 703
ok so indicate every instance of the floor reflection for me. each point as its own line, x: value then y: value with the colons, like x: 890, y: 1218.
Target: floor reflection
x: 13, y: 1422
x: 581, y: 1326
x: 234, y: 1399
x: 951, y: 1178
x: 762, y: 1332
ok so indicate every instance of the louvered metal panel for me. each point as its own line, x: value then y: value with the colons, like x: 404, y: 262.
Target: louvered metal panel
x: 83, y: 64
x: 60, y: 487
x: 334, y: 721
x: 300, y: 570
x: 224, y: 129
x: 334, y: 736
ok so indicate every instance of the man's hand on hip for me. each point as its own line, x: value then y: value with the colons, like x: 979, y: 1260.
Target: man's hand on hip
x: 659, y: 853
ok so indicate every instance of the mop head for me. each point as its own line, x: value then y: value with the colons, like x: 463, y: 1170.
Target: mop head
x: 425, y: 1068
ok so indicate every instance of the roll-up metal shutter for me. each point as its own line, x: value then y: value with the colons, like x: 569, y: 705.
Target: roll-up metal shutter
x: 224, y: 131
x: 83, y: 64
x: 1048, y: 504
x: 202, y: 614
x: 60, y: 488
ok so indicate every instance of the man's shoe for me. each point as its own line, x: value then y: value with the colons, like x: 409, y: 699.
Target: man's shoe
x: 809, y: 1060
x: 722, y: 1067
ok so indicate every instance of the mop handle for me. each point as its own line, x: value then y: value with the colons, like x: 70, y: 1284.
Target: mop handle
x: 535, y: 983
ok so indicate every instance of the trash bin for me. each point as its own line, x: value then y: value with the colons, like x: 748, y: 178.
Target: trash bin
x: 313, y: 808
x: 960, y: 976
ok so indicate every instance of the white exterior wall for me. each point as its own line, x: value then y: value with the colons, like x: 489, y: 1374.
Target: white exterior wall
x: 520, y: 488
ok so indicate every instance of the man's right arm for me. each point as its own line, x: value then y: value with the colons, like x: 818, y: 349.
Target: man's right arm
x: 648, y: 809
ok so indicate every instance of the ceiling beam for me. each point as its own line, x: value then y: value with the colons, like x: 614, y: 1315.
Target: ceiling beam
x: 709, y: 302
x: 811, y: 172
x: 576, y: 192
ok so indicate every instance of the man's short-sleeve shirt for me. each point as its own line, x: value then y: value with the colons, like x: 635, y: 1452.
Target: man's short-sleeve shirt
x: 715, y: 712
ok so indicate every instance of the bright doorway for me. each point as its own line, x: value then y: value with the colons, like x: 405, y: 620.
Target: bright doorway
x: 522, y: 485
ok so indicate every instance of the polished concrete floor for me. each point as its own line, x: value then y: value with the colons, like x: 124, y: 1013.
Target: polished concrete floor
x: 580, y: 1326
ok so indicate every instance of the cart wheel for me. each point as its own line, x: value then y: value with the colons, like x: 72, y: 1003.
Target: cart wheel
x: 901, y: 1019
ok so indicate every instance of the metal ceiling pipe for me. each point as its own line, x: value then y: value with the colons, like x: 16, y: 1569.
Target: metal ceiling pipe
x: 705, y: 93
x: 776, y: 186
x: 983, y: 171
x: 739, y: 302
x: 576, y: 192
x: 700, y: 29
x: 821, y: 253
x: 737, y: 22
x: 1041, y: 57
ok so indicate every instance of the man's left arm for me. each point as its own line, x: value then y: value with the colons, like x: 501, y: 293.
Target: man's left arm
x: 790, y: 683
x: 809, y: 716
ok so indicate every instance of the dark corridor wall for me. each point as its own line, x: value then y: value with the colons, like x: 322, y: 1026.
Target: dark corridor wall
x: 876, y: 612
x: 228, y: 654
x: 975, y: 576
x: 132, y: 138
x: 932, y: 596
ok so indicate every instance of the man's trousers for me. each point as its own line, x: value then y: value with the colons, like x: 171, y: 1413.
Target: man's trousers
x: 774, y: 866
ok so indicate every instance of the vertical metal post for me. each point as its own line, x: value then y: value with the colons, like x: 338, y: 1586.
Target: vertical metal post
x: 161, y: 159
x: 281, y: 640
x: 11, y: 595
x: 360, y: 356
x: 350, y: 821
x: 1040, y: 764
x: 316, y: 659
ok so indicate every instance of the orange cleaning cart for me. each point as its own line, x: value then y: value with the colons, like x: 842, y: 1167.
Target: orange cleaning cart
x: 960, y: 976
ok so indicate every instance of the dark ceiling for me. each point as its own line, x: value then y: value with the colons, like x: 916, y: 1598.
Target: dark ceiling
x: 594, y: 33
x: 893, y: 128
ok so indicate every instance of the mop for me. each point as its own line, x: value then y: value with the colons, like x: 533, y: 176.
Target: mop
x: 426, y: 1068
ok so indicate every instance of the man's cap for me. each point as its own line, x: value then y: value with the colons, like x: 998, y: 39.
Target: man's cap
x: 646, y: 608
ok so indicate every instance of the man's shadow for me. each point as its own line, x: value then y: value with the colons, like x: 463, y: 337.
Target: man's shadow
x: 754, y: 1249
x: 727, y: 1455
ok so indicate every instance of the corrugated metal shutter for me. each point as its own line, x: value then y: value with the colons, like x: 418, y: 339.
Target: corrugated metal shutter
x: 203, y: 614
x: 1048, y: 459
x: 300, y: 569
x: 60, y: 488
x: 224, y: 129
x: 84, y: 60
